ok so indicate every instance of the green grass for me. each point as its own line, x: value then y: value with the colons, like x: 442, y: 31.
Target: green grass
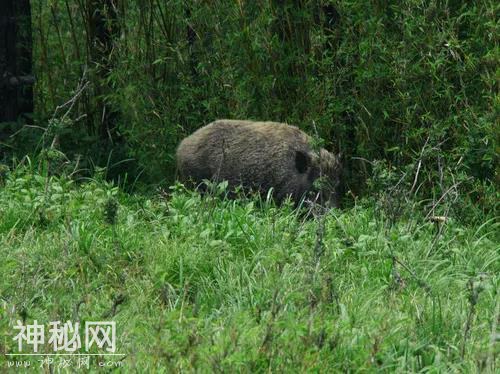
x: 217, y: 285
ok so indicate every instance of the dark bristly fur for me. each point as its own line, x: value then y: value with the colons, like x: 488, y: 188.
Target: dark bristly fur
x: 258, y: 156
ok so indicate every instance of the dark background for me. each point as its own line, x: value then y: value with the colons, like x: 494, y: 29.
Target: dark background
x: 406, y: 90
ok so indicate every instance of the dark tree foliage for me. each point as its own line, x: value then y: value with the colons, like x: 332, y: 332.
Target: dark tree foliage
x: 16, y: 79
x: 408, y: 84
x: 102, y: 31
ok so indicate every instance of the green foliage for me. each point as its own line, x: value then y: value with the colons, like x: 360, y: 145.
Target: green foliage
x: 209, y: 284
x: 406, y: 90
x: 380, y: 81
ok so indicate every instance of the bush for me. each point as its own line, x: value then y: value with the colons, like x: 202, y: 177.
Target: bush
x: 380, y: 80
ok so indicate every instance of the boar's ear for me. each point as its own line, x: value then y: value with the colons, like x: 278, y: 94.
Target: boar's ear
x: 301, y: 161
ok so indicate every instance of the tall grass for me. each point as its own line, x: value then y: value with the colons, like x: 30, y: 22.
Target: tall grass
x: 212, y: 284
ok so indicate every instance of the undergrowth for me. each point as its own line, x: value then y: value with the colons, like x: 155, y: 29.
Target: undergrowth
x: 211, y: 284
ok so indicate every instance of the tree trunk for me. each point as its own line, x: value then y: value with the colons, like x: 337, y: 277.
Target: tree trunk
x: 191, y: 38
x: 292, y: 28
x: 16, y: 79
x: 103, y: 29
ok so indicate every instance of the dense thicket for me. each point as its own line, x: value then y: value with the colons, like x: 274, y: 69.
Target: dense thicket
x: 16, y: 93
x: 412, y: 83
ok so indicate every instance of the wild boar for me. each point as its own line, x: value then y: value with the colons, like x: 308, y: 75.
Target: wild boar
x: 259, y: 156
